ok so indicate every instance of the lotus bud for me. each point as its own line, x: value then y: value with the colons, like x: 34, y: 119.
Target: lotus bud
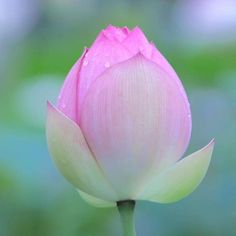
x: 122, y: 124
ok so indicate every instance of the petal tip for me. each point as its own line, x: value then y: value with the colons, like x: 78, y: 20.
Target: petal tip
x: 50, y: 107
x: 137, y: 28
x: 209, y: 147
x: 86, y: 49
x: 183, y: 178
x: 212, y: 142
x: 109, y: 27
x: 115, y: 33
x: 49, y: 104
x: 139, y: 33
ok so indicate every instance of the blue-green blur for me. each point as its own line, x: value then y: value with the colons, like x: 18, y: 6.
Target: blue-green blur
x: 40, y: 41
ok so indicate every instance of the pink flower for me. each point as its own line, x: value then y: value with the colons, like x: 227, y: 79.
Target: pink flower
x: 122, y: 122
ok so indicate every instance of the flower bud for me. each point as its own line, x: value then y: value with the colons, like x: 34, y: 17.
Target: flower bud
x: 122, y: 122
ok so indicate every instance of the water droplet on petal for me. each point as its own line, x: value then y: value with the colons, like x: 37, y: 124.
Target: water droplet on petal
x: 107, y: 64
x: 141, y: 48
x: 85, y: 63
x: 63, y: 105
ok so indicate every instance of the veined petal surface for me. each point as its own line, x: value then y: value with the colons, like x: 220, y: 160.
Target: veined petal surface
x: 137, y: 42
x: 136, y: 122
x: 104, y: 53
x: 179, y: 180
x: 68, y: 97
x: 72, y: 156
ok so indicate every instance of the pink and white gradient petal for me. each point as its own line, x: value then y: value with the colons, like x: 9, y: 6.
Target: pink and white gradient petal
x: 137, y: 42
x: 135, y: 120
x: 103, y: 54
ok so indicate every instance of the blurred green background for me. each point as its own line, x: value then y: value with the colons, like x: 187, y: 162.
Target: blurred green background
x: 40, y: 41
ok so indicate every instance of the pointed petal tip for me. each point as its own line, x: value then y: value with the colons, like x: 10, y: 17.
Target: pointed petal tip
x: 49, y: 104
x: 181, y: 179
x: 115, y: 33
x: 112, y: 27
x: 139, y: 33
x: 52, y: 108
x: 137, y: 28
x: 141, y: 58
x: 208, y: 148
x: 85, y: 50
x: 139, y: 55
x: 212, y: 142
x: 210, y: 145
x: 126, y: 29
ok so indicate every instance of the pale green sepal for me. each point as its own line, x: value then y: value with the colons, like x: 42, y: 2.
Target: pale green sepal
x: 181, y: 179
x: 73, y: 157
x: 96, y: 202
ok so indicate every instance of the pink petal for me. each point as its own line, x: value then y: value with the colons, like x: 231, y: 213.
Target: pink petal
x: 116, y: 33
x: 103, y: 54
x: 67, y: 100
x: 137, y: 42
x: 161, y: 60
x: 136, y: 121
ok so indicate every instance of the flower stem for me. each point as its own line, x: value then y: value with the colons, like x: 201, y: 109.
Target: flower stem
x: 126, y: 210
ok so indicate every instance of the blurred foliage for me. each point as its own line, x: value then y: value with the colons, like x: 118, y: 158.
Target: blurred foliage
x: 34, y: 198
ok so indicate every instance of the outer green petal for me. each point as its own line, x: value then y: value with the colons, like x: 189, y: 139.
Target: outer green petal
x: 181, y: 179
x: 72, y: 156
x: 96, y: 202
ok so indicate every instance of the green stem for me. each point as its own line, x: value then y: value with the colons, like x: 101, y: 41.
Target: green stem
x: 126, y: 210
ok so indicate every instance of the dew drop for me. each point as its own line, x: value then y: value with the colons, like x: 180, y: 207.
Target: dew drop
x: 107, y: 64
x: 63, y: 105
x: 141, y: 48
x: 85, y: 63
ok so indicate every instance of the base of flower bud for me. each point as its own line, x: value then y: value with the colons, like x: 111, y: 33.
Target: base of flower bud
x: 129, y: 203
x: 126, y: 210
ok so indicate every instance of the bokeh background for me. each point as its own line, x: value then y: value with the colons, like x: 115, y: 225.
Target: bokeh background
x: 40, y: 41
